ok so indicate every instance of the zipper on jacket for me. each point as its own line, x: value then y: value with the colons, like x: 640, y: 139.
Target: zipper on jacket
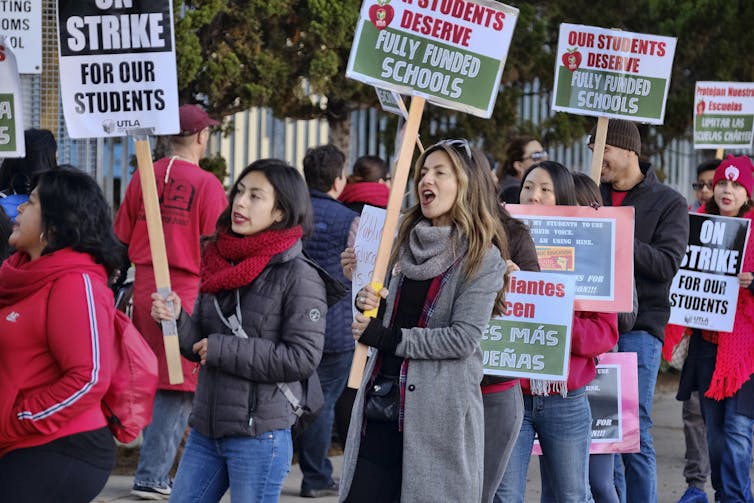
x: 252, y: 401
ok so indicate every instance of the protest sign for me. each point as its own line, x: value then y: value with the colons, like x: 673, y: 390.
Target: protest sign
x: 704, y: 291
x: 532, y: 338
x: 595, y: 246
x: 117, y: 67
x: 612, y: 73
x: 450, y: 53
x: 365, y: 247
x: 21, y: 23
x: 391, y: 102
x: 723, y: 115
x: 11, y: 108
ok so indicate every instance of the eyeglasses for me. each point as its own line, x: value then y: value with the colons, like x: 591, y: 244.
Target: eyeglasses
x: 456, y: 143
x: 537, y: 156
x: 701, y: 185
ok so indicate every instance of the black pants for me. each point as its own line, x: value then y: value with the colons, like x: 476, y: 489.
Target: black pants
x: 378, y: 474
x: 41, y: 475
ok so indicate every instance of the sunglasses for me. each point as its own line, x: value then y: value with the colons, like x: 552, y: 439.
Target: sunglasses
x: 701, y: 185
x: 537, y: 156
x: 456, y: 143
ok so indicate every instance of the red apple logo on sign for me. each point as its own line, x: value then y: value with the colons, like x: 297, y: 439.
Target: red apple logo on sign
x: 572, y: 59
x: 381, y: 14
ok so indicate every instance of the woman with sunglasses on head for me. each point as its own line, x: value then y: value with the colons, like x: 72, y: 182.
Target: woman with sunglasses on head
x: 424, y: 441
x: 558, y: 411
x: 520, y: 154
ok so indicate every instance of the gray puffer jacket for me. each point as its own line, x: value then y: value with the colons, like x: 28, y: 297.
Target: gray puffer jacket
x: 283, y: 312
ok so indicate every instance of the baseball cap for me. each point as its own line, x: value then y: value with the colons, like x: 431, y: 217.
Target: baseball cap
x: 193, y: 119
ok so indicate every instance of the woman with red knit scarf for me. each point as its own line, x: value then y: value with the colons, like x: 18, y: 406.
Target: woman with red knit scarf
x: 259, y: 321
x: 721, y: 364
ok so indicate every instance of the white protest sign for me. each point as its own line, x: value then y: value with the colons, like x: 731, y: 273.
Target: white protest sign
x: 391, y: 102
x: 117, y: 67
x: 21, y: 23
x: 723, y: 115
x: 612, y: 73
x: 366, y: 245
x: 704, y: 291
x: 11, y: 107
x: 450, y: 53
x: 532, y: 338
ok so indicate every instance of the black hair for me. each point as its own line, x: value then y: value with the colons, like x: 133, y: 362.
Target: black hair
x: 369, y: 168
x: 291, y: 195
x: 587, y: 190
x: 562, y: 182
x: 708, y: 165
x: 76, y: 215
x: 6, y: 228
x: 514, y: 152
x: 19, y: 175
x: 322, y: 165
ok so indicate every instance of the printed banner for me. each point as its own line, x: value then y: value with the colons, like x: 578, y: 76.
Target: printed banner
x: 704, y: 292
x: 21, y: 23
x: 451, y: 53
x: 614, y: 401
x: 366, y: 245
x: 723, y: 115
x: 11, y: 106
x: 117, y: 67
x: 532, y: 338
x: 612, y: 73
x: 595, y: 246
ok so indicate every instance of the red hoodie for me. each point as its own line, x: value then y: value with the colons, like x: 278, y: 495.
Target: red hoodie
x: 56, y: 340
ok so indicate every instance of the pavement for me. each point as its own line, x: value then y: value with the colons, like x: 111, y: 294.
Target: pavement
x: 668, y: 440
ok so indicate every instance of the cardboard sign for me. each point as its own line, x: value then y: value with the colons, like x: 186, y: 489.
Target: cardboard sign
x: 451, y: 53
x: 117, y: 67
x: 365, y: 247
x: 723, y: 115
x: 704, y: 292
x: 612, y: 73
x: 532, y: 338
x: 21, y: 23
x: 11, y: 108
x: 595, y: 246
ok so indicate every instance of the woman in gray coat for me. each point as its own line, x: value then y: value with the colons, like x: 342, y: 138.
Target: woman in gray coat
x: 417, y: 433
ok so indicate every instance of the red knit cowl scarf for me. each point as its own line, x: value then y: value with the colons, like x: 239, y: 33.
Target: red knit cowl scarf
x: 231, y: 262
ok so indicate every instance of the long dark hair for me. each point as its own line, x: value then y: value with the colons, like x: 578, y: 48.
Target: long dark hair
x: 562, y: 182
x: 76, y: 215
x: 291, y: 195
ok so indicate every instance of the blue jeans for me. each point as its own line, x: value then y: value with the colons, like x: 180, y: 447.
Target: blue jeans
x: 162, y: 437
x: 315, y: 441
x: 254, y: 468
x: 640, y: 468
x: 564, y: 428
x: 729, y: 442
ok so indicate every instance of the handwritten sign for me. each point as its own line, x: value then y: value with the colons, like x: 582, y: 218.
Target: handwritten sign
x: 366, y: 245
x: 723, y: 115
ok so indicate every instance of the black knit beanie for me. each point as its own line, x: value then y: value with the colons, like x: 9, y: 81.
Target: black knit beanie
x: 622, y: 134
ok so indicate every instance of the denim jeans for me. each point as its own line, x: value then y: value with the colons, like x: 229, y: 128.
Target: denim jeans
x: 162, y: 437
x: 640, y: 468
x: 697, y: 468
x: 254, y: 468
x: 729, y: 441
x: 564, y: 429
x: 315, y: 441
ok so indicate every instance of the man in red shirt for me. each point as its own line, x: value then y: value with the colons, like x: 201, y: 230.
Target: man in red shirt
x: 191, y: 199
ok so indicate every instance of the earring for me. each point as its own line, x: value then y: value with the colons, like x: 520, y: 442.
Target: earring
x: 42, y: 237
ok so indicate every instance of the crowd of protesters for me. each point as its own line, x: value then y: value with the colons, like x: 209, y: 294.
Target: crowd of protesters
x: 261, y: 294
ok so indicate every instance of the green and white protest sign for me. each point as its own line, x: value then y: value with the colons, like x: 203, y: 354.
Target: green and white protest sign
x: 450, y: 53
x: 532, y: 338
x: 11, y: 108
x: 612, y: 73
x: 723, y: 115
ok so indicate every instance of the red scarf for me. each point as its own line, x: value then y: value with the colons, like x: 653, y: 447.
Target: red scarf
x: 232, y: 262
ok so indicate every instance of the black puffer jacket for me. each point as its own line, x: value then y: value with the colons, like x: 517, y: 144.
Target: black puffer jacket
x: 283, y: 312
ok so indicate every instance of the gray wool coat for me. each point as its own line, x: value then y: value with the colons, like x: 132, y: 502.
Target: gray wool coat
x: 443, y: 436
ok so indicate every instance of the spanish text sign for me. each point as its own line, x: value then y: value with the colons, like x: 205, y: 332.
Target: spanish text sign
x: 612, y: 73
x: 595, y: 246
x: 21, y: 23
x: 532, y: 338
x: 117, y: 67
x: 451, y: 53
x: 723, y: 115
x: 704, y: 291
x: 11, y: 109
x: 365, y: 247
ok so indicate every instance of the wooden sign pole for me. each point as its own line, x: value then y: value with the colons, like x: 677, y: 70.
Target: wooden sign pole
x: 400, y: 178
x: 157, y: 247
x: 598, y: 151
x: 719, y: 153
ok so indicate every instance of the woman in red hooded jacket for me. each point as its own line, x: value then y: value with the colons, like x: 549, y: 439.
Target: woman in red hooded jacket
x: 56, y: 343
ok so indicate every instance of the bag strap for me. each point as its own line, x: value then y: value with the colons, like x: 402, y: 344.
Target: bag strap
x: 233, y: 322
x: 295, y: 402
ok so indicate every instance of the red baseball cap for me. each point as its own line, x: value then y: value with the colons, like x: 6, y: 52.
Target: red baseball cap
x: 193, y: 119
